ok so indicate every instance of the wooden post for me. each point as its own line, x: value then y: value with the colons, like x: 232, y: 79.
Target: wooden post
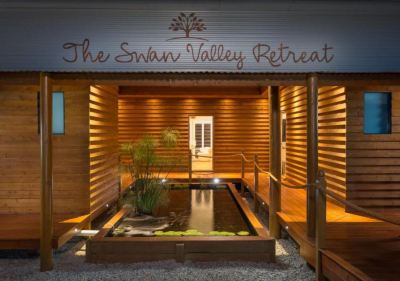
x: 312, y: 150
x: 242, y: 175
x: 46, y: 221
x: 275, y: 161
x: 320, y: 237
x: 256, y: 203
x: 190, y: 166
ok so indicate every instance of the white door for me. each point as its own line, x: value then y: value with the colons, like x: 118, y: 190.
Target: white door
x: 201, y: 142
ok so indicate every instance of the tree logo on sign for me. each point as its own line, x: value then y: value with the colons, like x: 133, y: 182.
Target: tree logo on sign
x: 187, y: 24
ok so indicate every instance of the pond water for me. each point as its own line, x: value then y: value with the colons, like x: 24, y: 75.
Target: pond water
x: 190, y: 212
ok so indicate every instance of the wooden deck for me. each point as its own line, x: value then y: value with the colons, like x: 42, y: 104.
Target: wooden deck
x: 358, y: 248
x: 22, y: 231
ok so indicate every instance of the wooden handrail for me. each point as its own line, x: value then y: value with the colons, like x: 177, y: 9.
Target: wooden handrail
x: 242, y: 173
x: 256, y: 181
x: 370, y: 213
x: 320, y: 224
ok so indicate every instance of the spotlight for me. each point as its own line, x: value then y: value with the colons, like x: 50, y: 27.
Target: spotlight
x: 107, y: 205
x: 216, y: 180
x: 164, y: 180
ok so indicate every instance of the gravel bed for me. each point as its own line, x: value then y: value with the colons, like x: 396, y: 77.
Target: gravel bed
x: 70, y: 265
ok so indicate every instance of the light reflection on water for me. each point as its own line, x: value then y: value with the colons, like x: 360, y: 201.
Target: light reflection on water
x: 202, y: 210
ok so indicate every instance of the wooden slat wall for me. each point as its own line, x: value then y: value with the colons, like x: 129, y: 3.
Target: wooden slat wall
x: 293, y: 102
x: 104, y: 183
x: 373, y: 161
x: 239, y: 124
x: 20, y: 157
x: 332, y: 137
x: 332, y: 134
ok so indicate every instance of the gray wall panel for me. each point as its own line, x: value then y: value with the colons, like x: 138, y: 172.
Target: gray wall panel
x: 362, y: 40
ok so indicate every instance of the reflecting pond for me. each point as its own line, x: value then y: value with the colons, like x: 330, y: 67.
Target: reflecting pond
x: 190, y: 211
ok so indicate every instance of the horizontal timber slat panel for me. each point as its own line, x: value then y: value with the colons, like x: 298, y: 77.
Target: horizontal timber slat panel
x: 373, y: 179
x: 20, y: 151
x: 239, y: 124
x: 104, y: 183
x: 331, y: 130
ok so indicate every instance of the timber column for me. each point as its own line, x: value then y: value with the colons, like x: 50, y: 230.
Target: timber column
x: 46, y: 190
x: 275, y: 161
x: 312, y: 150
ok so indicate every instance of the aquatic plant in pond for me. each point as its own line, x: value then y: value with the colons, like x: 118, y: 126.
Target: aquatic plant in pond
x: 189, y: 232
x: 148, y: 169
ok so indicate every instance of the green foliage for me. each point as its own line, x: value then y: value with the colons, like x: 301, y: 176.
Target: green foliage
x: 221, y: 233
x: 190, y: 232
x: 148, y: 169
x: 195, y: 232
x: 170, y: 137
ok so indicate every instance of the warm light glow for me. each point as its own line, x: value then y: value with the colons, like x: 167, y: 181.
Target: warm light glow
x: 88, y: 232
x: 216, y: 180
x: 164, y: 180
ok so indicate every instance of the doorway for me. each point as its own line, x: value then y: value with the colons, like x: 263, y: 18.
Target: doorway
x: 201, y: 142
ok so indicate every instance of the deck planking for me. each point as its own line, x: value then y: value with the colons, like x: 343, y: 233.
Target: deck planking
x: 22, y: 231
x: 368, y: 249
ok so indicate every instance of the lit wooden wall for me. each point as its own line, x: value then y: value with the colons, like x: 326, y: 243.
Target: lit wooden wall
x: 373, y: 161
x: 332, y: 134
x: 20, y: 152
x: 104, y: 180
x: 239, y: 124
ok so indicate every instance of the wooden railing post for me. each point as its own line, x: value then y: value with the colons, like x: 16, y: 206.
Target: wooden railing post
x: 46, y: 163
x: 256, y: 203
x: 190, y: 166
x: 274, y: 162
x: 312, y: 150
x: 242, y: 174
x: 320, y: 237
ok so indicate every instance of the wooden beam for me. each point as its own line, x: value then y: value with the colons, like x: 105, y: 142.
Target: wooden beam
x: 46, y: 222
x: 275, y: 161
x: 312, y: 150
x: 320, y: 238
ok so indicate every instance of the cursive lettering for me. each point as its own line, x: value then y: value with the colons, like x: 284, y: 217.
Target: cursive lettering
x: 150, y: 56
x: 215, y: 53
x: 83, y: 50
x: 283, y: 54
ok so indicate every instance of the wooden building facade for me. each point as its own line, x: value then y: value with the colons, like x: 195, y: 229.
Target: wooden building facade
x: 294, y: 78
x: 359, y: 167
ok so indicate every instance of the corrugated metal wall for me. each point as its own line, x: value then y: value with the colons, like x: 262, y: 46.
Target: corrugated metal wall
x: 354, y: 36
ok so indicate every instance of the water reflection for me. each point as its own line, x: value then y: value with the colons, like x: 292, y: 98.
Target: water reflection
x: 202, y: 210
